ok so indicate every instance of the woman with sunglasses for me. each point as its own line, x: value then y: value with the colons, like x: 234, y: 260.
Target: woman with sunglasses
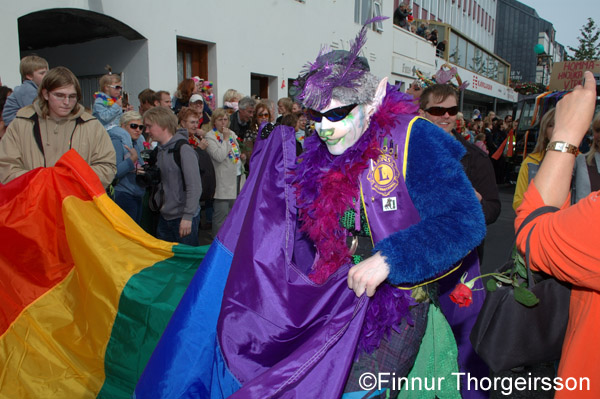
x: 262, y: 114
x: 108, y: 103
x: 129, y: 143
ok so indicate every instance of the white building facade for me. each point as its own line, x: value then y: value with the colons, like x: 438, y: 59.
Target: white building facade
x: 256, y: 47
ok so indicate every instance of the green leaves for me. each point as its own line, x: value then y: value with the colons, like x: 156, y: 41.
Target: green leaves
x: 525, y: 297
x: 515, y: 276
x: 491, y: 285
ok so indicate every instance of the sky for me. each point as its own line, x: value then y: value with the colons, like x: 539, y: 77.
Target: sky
x: 568, y: 17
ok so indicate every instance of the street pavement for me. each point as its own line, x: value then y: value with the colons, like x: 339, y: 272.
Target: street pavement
x: 498, y: 246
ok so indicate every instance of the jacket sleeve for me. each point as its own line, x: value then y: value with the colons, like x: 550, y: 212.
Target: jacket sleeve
x: 452, y: 222
x: 563, y: 244
x: 193, y: 183
x: 124, y: 165
x: 103, y: 158
x: 217, y: 151
x: 11, y: 160
x: 104, y: 113
x: 21, y: 97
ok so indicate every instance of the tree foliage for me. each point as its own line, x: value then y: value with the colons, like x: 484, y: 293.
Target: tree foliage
x: 589, y: 48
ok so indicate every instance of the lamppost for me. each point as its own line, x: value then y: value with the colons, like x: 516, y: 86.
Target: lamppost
x: 544, y: 60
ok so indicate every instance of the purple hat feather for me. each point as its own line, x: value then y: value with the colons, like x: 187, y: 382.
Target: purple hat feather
x: 334, y: 69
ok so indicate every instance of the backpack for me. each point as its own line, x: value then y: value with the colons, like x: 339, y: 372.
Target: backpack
x: 176, y: 151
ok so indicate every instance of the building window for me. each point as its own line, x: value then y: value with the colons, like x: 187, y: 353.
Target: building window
x: 259, y: 86
x: 192, y: 59
x: 425, y: 14
x: 366, y: 9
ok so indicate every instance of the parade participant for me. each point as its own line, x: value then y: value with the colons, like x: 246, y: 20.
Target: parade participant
x: 378, y: 199
x: 439, y: 104
x: 55, y: 123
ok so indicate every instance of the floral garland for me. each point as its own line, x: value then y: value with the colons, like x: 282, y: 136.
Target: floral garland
x: 234, y: 153
x: 106, y: 100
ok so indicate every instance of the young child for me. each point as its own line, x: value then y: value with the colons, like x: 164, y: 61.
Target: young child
x: 480, y: 142
x: 108, y: 106
x: 33, y: 69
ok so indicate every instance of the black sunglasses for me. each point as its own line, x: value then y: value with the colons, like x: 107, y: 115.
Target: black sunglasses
x: 440, y: 111
x: 136, y: 126
x: 334, y: 115
x: 116, y: 87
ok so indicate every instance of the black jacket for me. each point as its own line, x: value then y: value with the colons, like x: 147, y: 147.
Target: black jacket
x: 480, y: 172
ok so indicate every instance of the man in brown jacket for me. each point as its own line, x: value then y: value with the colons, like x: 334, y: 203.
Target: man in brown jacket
x: 42, y: 132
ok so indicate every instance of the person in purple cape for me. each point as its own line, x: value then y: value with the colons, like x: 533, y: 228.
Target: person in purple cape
x: 344, y: 249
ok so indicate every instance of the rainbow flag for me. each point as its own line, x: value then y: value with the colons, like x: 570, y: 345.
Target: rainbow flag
x: 85, y: 293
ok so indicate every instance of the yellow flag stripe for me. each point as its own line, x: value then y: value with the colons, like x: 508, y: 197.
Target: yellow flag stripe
x: 63, y: 335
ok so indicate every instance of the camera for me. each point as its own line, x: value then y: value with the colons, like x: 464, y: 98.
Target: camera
x: 149, y: 176
x: 148, y: 156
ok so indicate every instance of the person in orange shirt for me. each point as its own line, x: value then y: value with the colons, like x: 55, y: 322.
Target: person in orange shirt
x: 565, y: 244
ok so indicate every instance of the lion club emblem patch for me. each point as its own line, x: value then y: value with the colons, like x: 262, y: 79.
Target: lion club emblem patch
x: 384, y: 176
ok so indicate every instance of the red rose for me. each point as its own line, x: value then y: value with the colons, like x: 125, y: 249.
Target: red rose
x: 462, y: 295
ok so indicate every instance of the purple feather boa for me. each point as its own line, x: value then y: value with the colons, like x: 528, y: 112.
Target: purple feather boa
x: 389, y: 305
x: 386, y: 310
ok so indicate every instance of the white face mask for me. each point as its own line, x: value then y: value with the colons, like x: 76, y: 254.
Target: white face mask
x: 343, y: 134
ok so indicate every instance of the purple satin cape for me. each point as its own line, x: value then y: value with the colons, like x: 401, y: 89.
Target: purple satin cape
x: 279, y: 333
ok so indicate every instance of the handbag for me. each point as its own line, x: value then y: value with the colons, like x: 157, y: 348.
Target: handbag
x: 508, y: 334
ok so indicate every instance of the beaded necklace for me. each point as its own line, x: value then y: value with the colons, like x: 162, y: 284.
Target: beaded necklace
x: 234, y: 153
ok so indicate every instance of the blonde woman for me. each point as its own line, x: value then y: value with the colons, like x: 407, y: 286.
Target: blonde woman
x: 228, y: 161
x: 108, y: 102
x: 531, y: 163
x: 587, y: 166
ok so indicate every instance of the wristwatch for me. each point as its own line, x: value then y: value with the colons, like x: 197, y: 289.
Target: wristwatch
x: 562, y: 146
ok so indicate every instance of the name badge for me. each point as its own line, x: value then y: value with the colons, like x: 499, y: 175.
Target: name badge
x: 389, y: 204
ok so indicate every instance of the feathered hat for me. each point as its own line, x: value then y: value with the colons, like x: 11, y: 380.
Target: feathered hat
x: 338, y: 74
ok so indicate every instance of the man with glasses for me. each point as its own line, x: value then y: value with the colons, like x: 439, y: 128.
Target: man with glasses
x: 55, y: 123
x: 439, y: 104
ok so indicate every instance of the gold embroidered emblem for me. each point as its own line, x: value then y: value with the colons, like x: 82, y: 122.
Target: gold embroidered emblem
x: 384, y: 176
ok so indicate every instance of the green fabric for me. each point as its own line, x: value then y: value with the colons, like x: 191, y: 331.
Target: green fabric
x: 437, y: 359
x: 145, y: 307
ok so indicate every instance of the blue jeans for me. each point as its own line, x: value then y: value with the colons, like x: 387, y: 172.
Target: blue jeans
x: 131, y: 204
x: 168, y: 230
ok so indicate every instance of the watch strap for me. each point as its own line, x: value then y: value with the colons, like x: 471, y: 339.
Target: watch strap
x: 562, y: 146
